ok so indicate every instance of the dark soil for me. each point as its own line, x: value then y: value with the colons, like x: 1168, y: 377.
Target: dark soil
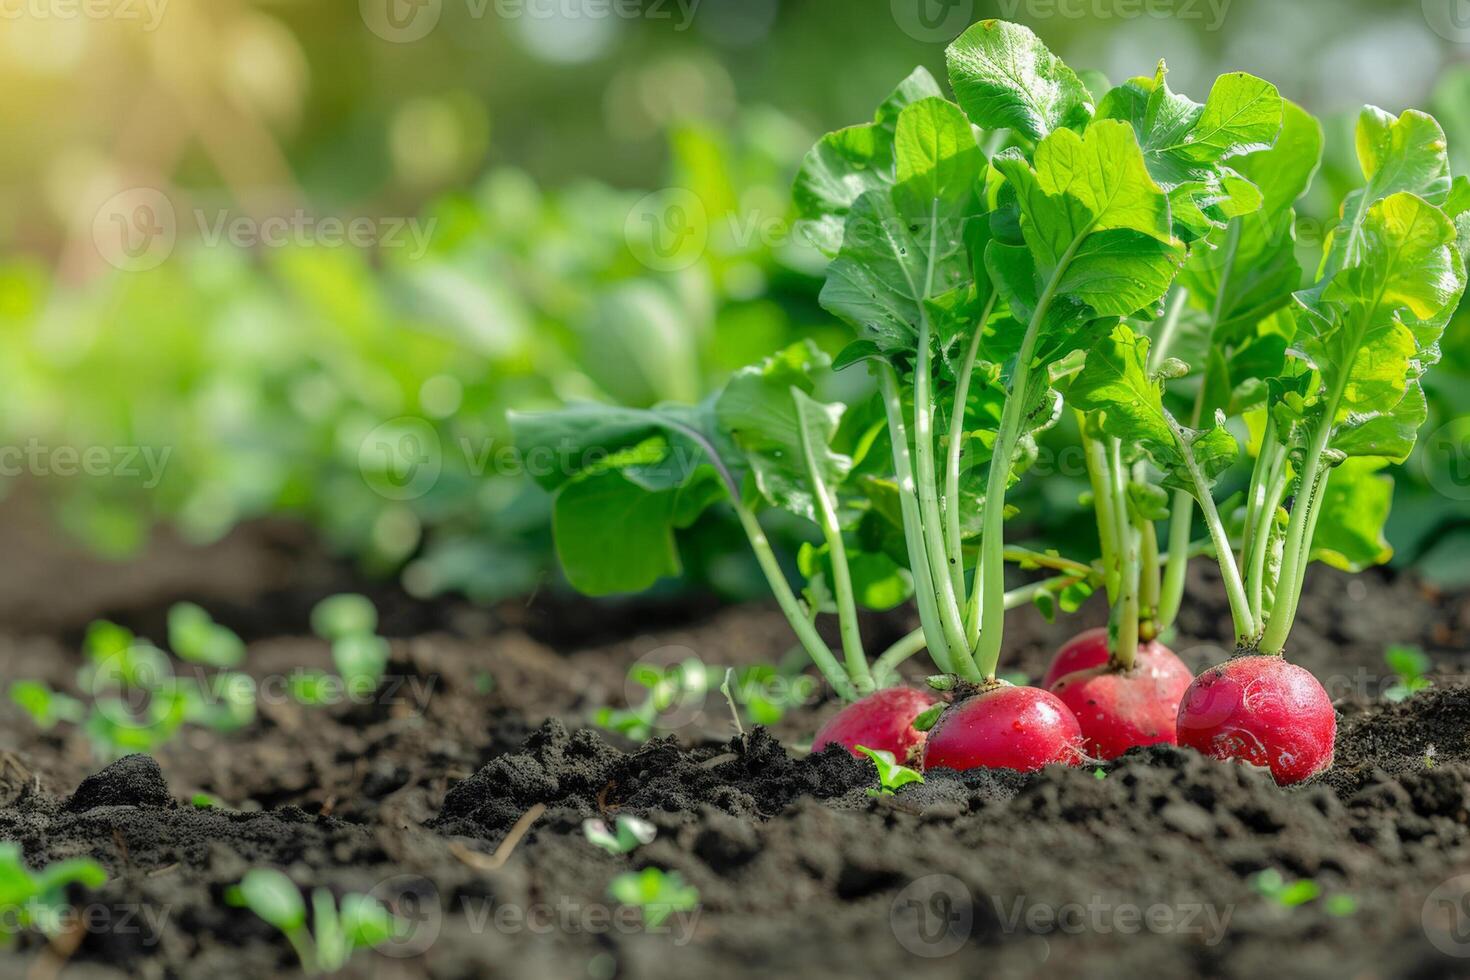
x: 421, y: 798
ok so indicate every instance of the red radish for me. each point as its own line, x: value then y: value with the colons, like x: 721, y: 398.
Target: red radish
x: 1262, y: 710
x: 1005, y: 727
x: 1083, y: 652
x: 1117, y: 709
x: 884, y: 720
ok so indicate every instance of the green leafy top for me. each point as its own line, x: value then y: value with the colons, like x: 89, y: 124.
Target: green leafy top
x: 1005, y: 78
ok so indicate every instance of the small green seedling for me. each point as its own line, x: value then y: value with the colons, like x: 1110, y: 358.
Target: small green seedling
x: 677, y: 686
x: 891, y: 775
x: 657, y: 892
x: 115, y: 730
x: 340, y: 616
x: 1274, y: 886
x: 349, y: 622
x: 203, y: 801
x: 360, y: 922
x: 195, y: 637
x: 1099, y: 774
x: 223, y: 703
x: 725, y: 689
x: 118, y: 660
x: 46, y: 707
x: 1430, y: 754
x: 631, y: 832
x: 313, y: 688
x: 37, y: 900
x: 1341, y: 906
x: 1409, y: 665
x: 361, y: 660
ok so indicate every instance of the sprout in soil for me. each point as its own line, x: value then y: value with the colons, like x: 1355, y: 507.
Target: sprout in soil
x: 658, y: 893
x: 194, y: 636
x: 38, y: 899
x: 335, y: 932
x: 630, y: 833
x: 1409, y: 665
x: 891, y: 775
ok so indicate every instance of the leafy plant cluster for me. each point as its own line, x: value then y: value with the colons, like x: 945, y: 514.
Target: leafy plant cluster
x: 138, y: 699
x: 1045, y: 245
x: 368, y: 397
x: 38, y: 899
x: 325, y: 940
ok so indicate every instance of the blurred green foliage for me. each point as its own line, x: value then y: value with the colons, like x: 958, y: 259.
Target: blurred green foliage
x: 365, y: 390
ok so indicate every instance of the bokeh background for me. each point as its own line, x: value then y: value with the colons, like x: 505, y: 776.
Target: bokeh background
x: 298, y: 258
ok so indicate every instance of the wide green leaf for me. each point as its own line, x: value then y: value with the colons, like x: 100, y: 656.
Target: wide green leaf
x: 613, y: 536
x: 1355, y: 507
x: 1368, y: 326
x: 846, y: 164
x: 768, y: 413
x: 1407, y: 154
x: 1005, y: 78
x: 905, y: 245
x: 1126, y: 402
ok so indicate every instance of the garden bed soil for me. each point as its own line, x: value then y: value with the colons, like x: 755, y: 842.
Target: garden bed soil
x: 1149, y: 867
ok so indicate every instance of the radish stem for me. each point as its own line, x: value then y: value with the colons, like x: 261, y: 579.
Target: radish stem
x: 805, y: 631
x: 826, y: 512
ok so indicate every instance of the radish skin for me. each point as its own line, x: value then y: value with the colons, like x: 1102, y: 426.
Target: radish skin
x: 1004, y: 727
x: 1264, y: 711
x: 884, y: 720
x: 1118, y: 710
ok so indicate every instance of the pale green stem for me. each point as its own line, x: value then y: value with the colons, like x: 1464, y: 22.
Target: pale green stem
x: 1245, y: 628
x: 1296, y: 553
x: 952, y: 462
x: 805, y: 630
x: 1256, y: 495
x: 1149, y: 585
x: 992, y: 545
x: 1125, y: 612
x: 1026, y: 556
x: 1168, y: 328
x: 1261, y: 544
x: 932, y: 521
x: 1104, y: 507
x: 852, y: 639
x: 913, y: 533
x: 1181, y: 524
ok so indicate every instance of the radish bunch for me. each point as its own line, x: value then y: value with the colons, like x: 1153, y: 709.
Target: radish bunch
x: 1046, y: 249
